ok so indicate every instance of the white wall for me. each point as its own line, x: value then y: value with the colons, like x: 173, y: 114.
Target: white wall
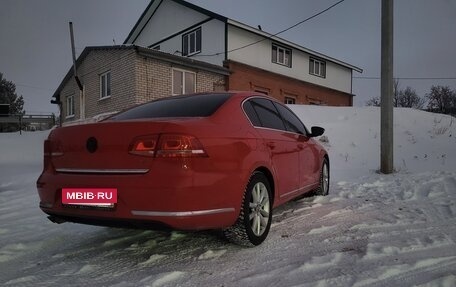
x: 171, y: 18
x: 168, y: 19
x: 259, y: 55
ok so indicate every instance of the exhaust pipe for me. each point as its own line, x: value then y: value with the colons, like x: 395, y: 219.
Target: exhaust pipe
x: 56, y: 219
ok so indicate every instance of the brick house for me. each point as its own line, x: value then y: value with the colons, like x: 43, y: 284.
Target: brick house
x: 256, y: 60
x: 117, y: 77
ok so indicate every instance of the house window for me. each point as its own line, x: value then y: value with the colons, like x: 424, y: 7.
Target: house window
x: 260, y: 89
x: 191, y: 42
x: 70, y: 106
x: 290, y: 101
x: 281, y: 55
x: 317, y: 67
x: 315, y: 101
x: 105, y: 85
x: 184, y: 82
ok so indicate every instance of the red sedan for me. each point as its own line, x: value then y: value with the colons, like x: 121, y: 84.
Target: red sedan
x: 192, y: 162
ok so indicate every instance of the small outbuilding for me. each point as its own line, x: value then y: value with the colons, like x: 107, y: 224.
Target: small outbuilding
x: 114, y: 78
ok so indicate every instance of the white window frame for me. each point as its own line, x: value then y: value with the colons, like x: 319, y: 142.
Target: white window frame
x: 317, y: 67
x: 187, y: 38
x: 290, y: 100
x: 286, y: 55
x: 261, y: 90
x: 182, y: 88
x: 105, y: 85
x: 69, y: 106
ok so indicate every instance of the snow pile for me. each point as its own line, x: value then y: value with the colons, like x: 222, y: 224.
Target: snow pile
x: 22, y: 149
x: 422, y: 141
x: 372, y: 230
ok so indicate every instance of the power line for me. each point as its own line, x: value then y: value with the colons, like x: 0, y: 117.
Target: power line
x: 88, y: 72
x: 32, y: 87
x: 273, y: 35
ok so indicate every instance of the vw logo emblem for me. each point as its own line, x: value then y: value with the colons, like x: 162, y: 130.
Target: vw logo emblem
x: 92, y: 144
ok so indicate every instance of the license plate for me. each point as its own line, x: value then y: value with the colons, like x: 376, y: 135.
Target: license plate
x: 90, y: 197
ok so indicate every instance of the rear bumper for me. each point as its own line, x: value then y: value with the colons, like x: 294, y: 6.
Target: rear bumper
x: 150, y: 223
x: 190, y: 201
x: 130, y: 223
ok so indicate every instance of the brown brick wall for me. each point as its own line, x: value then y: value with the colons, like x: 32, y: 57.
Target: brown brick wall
x: 248, y: 78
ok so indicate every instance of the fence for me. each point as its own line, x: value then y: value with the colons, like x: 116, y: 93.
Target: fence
x: 23, y: 121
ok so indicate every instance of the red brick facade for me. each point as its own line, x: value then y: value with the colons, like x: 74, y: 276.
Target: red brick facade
x: 247, y: 78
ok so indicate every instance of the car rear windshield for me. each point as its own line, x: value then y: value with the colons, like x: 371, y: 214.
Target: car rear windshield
x: 199, y: 105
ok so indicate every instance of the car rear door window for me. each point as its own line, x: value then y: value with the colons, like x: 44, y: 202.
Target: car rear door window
x: 251, y: 114
x: 292, y: 122
x: 267, y: 114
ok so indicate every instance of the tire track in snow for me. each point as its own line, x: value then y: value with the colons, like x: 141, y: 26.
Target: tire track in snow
x: 408, y: 274
x: 412, y: 227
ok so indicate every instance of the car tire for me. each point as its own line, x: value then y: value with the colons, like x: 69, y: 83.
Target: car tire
x: 323, y: 187
x: 254, y: 221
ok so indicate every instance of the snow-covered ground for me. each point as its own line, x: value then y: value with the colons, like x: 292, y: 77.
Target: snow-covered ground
x: 372, y: 230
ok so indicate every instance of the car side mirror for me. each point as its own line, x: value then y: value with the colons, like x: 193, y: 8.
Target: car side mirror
x: 316, y: 132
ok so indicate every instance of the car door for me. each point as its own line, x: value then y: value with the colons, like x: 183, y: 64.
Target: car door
x: 280, y: 144
x: 308, y: 153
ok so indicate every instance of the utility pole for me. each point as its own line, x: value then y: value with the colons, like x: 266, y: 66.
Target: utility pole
x: 386, y: 133
x: 78, y: 81
x: 73, y: 52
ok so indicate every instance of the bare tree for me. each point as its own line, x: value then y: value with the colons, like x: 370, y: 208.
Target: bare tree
x: 401, y: 98
x: 441, y: 99
x: 375, y: 101
x: 409, y: 99
x: 396, y: 92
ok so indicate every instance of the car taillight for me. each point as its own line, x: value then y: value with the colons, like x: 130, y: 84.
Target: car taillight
x: 144, y: 146
x: 169, y: 146
x: 180, y: 146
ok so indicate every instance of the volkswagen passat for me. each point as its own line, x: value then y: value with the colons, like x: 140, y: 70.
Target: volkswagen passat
x: 192, y: 162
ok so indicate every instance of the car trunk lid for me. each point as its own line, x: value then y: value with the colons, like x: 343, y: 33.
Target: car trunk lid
x: 101, y: 147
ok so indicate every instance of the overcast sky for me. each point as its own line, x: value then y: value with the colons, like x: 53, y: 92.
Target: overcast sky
x: 35, y: 50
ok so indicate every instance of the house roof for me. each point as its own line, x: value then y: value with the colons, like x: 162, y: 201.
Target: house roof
x: 146, y: 52
x: 153, y: 5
